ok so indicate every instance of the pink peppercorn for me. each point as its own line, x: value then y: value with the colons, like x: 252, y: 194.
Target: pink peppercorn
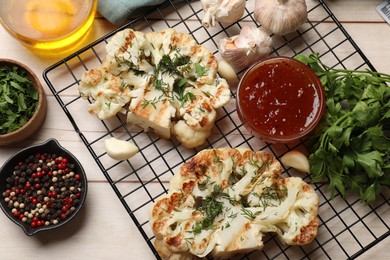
x: 35, y: 189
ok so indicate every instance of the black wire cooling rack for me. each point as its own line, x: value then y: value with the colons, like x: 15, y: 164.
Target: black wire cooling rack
x: 348, y: 228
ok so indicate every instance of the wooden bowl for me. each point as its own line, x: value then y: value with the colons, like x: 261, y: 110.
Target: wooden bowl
x: 38, y: 117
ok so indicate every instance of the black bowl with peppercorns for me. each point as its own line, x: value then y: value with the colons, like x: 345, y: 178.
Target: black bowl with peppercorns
x: 42, y: 187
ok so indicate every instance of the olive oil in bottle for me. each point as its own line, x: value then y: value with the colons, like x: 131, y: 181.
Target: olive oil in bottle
x: 48, y: 26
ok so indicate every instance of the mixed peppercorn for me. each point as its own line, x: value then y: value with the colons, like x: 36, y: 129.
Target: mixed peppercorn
x: 43, y: 190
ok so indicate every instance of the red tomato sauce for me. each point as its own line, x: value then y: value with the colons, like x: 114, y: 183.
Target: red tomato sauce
x: 279, y: 98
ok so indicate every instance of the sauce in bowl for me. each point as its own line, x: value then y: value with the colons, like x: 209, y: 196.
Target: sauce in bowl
x: 280, y: 100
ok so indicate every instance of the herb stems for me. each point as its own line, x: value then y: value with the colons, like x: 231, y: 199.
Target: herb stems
x: 351, y: 146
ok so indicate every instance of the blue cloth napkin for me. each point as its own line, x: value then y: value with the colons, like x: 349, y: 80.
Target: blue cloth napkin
x: 118, y: 11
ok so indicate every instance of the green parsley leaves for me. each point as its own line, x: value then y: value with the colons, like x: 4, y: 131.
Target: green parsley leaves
x: 18, y: 99
x: 352, y: 146
x: 200, y: 70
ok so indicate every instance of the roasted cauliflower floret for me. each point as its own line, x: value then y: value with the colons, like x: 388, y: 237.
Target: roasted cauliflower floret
x: 301, y: 223
x: 167, y: 78
x: 198, y: 114
x: 106, y: 90
x: 219, y: 92
x: 224, y: 201
x: 188, y: 136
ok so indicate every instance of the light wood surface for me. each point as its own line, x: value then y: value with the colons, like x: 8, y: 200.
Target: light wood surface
x: 103, y: 229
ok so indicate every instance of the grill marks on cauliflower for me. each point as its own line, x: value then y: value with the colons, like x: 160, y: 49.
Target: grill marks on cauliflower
x: 164, y: 80
x: 223, y: 201
x: 106, y: 90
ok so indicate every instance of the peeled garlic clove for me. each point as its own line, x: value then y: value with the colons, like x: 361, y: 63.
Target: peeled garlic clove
x: 224, y: 11
x: 296, y: 160
x: 227, y: 72
x: 243, y: 50
x: 281, y: 16
x: 119, y: 149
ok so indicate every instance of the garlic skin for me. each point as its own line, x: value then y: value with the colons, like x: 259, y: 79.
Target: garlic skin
x: 243, y: 50
x: 281, y: 16
x: 224, y: 11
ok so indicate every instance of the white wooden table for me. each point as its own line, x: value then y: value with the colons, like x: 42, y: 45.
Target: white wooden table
x: 103, y: 229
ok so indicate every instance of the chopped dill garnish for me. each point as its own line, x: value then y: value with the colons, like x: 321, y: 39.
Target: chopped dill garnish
x: 124, y: 85
x: 271, y: 195
x: 211, y: 208
x: 147, y: 102
x: 234, y: 177
x: 248, y: 214
x: 203, y: 185
x: 217, y: 158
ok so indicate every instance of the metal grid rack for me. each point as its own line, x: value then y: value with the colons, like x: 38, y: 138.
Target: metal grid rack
x: 347, y: 226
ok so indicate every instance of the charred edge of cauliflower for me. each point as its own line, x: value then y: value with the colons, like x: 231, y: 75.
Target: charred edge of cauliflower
x: 285, y: 206
x: 163, y: 80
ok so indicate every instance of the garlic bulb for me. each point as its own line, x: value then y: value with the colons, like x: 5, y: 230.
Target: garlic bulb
x: 224, y: 11
x: 281, y: 16
x: 243, y: 50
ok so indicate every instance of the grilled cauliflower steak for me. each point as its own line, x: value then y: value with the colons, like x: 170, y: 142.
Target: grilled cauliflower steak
x: 164, y: 80
x: 223, y: 201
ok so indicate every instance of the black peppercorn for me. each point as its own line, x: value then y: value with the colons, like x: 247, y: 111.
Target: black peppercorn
x: 36, y: 195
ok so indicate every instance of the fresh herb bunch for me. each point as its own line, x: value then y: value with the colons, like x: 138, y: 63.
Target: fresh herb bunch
x: 351, y: 146
x: 18, y: 99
